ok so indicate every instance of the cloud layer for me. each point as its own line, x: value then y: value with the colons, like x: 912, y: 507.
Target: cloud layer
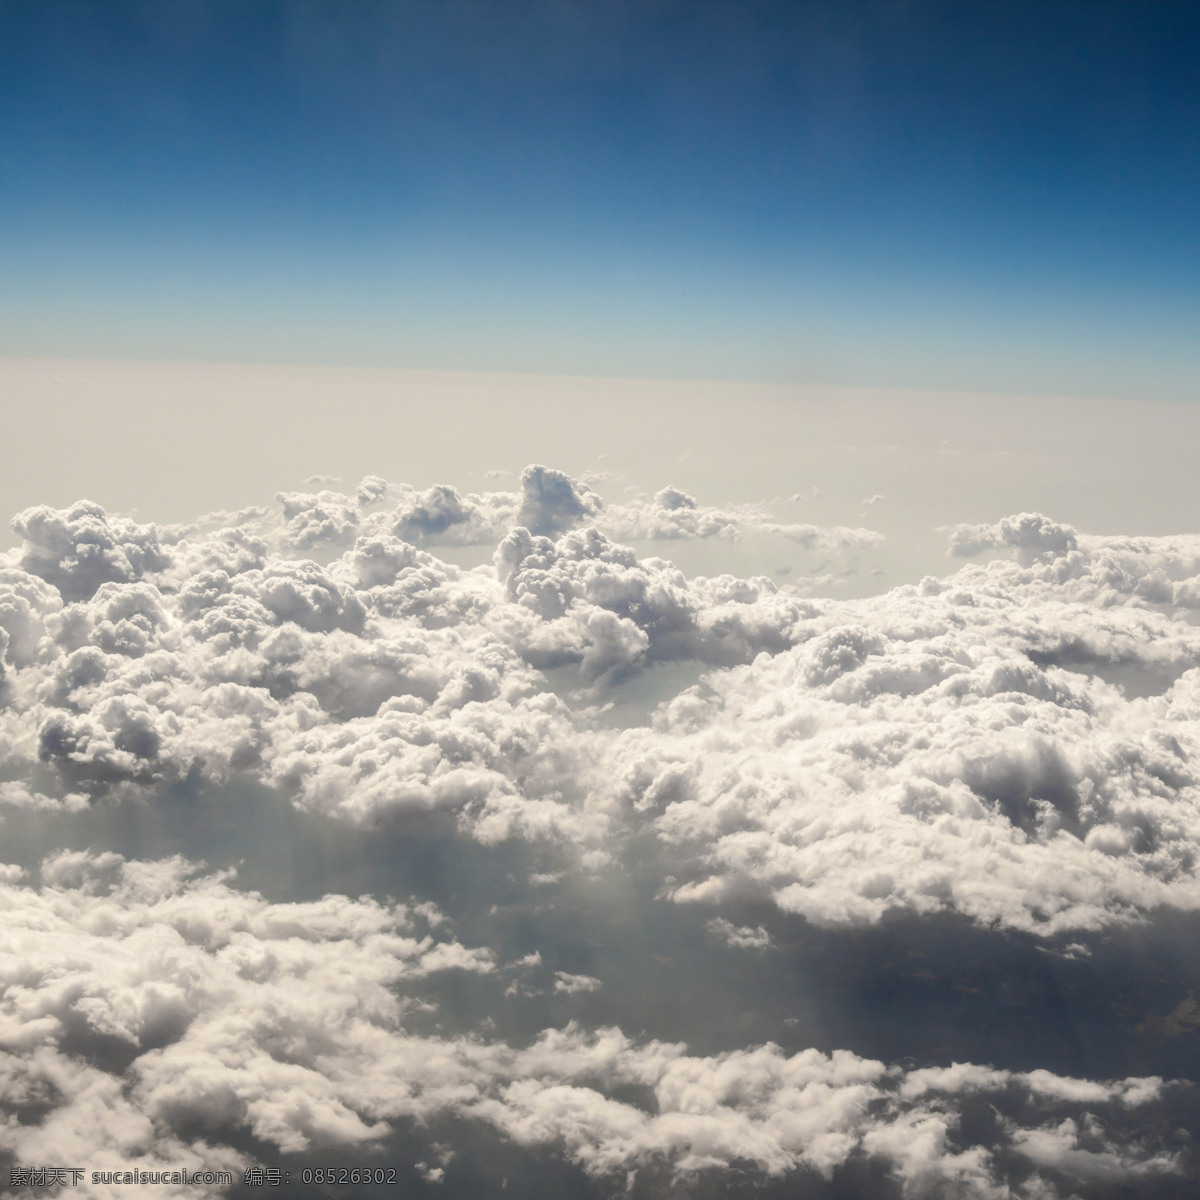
x: 149, y: 1012
x: 951, y: 745
x: 960, y: 744
x: 1012, y: 745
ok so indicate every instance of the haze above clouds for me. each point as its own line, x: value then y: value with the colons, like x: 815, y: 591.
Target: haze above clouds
x: 204, y: 437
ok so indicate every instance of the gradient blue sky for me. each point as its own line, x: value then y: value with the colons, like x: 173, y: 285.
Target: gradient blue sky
x: 990, y: 196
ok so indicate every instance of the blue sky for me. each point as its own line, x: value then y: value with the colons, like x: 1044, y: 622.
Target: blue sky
x: 998, y: 197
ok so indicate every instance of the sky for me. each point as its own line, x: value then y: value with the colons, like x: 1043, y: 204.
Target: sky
x: 599, y: 600
x: 993, y: 197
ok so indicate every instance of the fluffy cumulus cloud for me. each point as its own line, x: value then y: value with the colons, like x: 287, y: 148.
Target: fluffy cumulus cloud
x: 76, y: 550
x: 144, y: 1011
x: 149, y: 1012
x: 808, y: 1111
x: 549, y: 503
x: 1031, y: 534
x: 673, y: 514
x: 1014, y: 744
x: 756, y: 938
x: 589, y: 602
x: 978, y: 743
x: 380, y: 682
x: 369, y: 687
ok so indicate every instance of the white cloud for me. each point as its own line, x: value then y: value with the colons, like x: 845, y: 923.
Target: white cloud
x: 745, y: 936
x: 1065, y: 1148
x: 573, y: 984
x: 313, y: 519
x: 816, y: 537
x: 1015, y: 743
x: 920, y: 750
x: 860, y: 776
x: 228, y: 1010
x: 953, y: 745
x: 16, y: 794
x: 673, y: 514
x: 288, y: 1021
x: 1031, y: 534
x: 78, y: 549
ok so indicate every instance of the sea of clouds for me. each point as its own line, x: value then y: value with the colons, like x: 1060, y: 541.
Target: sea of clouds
x: 1006, y: 752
